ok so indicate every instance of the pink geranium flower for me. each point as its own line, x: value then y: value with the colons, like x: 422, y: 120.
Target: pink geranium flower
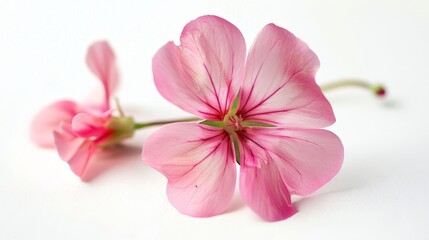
x: 77, y: 142
x: 101, y: 61
x: 263, y: 112
x: 77, y: 130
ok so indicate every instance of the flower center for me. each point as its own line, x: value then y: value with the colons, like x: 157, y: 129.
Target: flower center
x: 233, y: 123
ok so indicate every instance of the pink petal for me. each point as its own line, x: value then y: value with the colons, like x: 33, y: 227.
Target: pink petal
x: 202, y: 75
x: 299, y: 103
x: 76, y: 151
x: 198, y: 162
x: 279, y: 86
x: 263, y: 189
x: 49, y: 119
x: 102, y: 62
x: 88, y: 125
x: 305, y: 158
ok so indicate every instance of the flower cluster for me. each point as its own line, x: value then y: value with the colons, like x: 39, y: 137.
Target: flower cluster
x: 260, y: 109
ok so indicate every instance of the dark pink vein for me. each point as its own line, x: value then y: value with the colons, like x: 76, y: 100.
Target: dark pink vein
x: 204, y: 158
x: 281, y: 110
x: 270, y: 95
x: 257, y: 74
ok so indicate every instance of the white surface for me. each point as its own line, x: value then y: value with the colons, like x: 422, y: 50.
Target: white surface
x: 380, y: 193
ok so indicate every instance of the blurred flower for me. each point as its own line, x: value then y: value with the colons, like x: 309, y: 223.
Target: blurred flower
x: 101, y: 61
x: 77, y: 142
x: 263, y: 113
x: 77, y: 130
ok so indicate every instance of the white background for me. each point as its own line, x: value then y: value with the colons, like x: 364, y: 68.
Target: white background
x: 380, y: 193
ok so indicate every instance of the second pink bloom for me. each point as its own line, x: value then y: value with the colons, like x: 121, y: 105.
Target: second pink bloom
x: 78, y: 130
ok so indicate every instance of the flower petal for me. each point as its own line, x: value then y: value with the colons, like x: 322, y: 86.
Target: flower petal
x: 49, y: 119
x: 76, y: 151
x: 102, y: 62
x: 202, y: 75
x: 88, y: 125
x: 305, y: 158
x: 298, y: 104
x: 200, y: 167
x: 279, y: 86
x: 263, y: 189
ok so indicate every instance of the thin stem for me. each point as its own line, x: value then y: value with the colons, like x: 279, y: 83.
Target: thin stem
x: 119, y: 108
x: 376, y: 89
x: 155, y: 123
x: 345, y: 83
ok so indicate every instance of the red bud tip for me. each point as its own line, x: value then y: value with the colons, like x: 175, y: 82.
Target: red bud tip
x: 379, y: 91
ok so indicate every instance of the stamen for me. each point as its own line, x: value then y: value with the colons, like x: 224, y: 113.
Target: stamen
x: 235, y: 122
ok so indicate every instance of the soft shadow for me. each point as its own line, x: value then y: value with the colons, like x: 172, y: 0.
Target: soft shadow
x: 235, y: 204
x: 111, y: 158
x: 391, y: 103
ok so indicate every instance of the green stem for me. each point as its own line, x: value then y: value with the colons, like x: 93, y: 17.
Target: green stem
x: 376, y: 89
x: 155, y: 123
x: 119, y: 108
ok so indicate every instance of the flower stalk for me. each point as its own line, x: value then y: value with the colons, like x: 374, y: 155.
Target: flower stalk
x: 156, y: 123
x: 378, y: 90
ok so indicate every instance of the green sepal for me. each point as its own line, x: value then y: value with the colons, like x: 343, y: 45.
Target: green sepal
x: 123, y: 128
x: 234, y: 107
x: 256, y: 124
x: 234, y: 138
x: 217, y: 124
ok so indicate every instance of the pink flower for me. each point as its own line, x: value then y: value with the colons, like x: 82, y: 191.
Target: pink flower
x: 78, y: 130
x: 101, y: 61
x: 264, y: 112
x: 77, y: 142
